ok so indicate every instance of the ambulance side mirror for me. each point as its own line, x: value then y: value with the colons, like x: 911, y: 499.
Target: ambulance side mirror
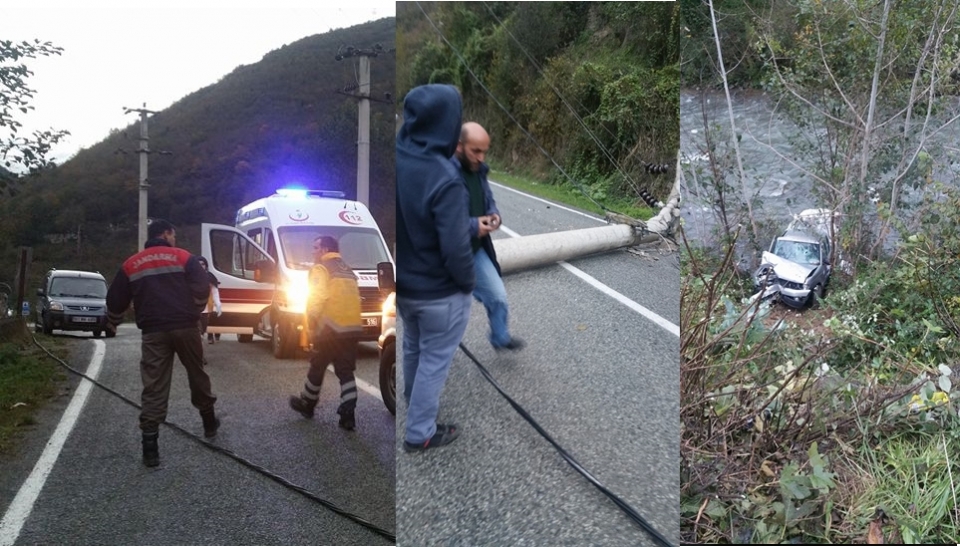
x: 385, y: 277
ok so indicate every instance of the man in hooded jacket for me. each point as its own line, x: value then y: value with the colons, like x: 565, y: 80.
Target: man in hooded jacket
x: 435, y: 270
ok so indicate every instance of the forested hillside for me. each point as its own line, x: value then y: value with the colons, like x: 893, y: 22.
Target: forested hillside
x: 549, y: 65
x: 282, y: 120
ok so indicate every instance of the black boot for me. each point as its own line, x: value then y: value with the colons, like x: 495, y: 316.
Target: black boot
x: 151, y: 449
x: 303, y: 405
x: 210, y: 423
x: 347, y: 419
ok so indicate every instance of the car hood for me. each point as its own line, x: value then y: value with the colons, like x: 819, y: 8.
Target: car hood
x: 92, y: 303
x: 787, y: 269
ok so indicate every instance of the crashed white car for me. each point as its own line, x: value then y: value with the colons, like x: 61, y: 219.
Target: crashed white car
x: 797, y: 267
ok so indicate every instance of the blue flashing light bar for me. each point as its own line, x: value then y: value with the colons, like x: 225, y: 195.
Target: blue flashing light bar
x: 301, y: 193
x: 298, y: 193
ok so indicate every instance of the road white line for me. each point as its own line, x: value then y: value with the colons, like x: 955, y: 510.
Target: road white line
x: 550, y: 203
x: 22, y: 504
x: 365, y: 386
x: 652, y: 316
x: 660, y: 321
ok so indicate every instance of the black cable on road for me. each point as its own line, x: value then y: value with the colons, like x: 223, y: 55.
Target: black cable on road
x: 265, y: 472
x: 626, y: 508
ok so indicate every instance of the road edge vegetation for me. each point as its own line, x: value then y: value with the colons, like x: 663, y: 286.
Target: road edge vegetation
x: 832, y: 425
x: 30, y: 379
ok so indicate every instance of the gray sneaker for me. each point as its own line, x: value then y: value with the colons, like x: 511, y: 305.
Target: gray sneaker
x: 515, y: 344
x: 445, y: 435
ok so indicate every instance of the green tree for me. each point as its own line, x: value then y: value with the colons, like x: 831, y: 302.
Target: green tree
x: 16, y: 150
x: 862, y: 81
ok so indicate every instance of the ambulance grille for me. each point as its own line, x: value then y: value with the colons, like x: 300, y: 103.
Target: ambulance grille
x: 370, y: 300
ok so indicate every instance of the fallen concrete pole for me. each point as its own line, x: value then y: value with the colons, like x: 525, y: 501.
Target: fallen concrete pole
x: 526, y: 252
x: 520, y: 253
x: 668, y: 219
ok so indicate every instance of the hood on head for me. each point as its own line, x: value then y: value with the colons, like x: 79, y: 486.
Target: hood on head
x: 431, y: 118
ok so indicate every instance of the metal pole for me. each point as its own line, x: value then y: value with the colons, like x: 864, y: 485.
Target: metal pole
x: 363, y: 142
x: 144, y: 152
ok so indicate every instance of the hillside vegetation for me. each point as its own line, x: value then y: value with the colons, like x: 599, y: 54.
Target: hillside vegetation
x: 612, y: 65
x: 282, y: 120
x: 837, y: 424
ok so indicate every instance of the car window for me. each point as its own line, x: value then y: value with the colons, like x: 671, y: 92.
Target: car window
x: 78, y: 287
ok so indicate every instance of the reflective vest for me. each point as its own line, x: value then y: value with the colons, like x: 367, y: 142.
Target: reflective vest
x: 334, y: 300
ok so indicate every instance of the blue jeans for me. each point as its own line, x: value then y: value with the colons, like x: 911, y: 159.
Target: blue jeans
x: 432, y: 330
x: 491, y: 293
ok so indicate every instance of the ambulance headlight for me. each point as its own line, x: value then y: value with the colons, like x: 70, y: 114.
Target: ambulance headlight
x: 390, y: 305
x: 297, y: 294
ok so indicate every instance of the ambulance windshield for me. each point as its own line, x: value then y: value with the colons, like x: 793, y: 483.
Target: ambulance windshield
x: 361, y: 248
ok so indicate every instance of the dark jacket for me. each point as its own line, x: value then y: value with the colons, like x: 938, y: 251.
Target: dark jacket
x: 489, y: 208
x: 434, y: 257
x: 167, y: 285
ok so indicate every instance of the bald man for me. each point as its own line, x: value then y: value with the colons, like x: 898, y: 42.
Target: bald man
x: 484, y: 219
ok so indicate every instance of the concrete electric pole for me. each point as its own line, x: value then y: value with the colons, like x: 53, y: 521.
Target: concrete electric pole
x: 363, y: 122
x: 143, y: 151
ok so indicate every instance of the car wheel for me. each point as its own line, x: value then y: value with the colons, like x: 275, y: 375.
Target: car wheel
x: 388, y: 377
x: 282, y: 340
x: 47, y: 325
x: 245, y: 338
x: 815, y: 296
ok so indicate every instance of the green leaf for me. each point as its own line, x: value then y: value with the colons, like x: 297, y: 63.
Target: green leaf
x: 945, y: 384
x: 715, y: 509
x: 793, y: 514
x: 792, y: 485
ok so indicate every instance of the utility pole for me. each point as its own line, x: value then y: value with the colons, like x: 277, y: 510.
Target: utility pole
x: 363, y: 137
x: 363, y: 122
x: 144, y: 151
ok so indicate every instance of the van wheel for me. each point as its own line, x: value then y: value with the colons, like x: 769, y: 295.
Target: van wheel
x: 245, y: 338
x: 96, y: 334
x: 283, y: 340
x: 388, y: 376
x: 47, y: 326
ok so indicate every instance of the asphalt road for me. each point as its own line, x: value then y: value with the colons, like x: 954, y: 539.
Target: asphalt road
x: 598, y: 376
x: 99, y: 493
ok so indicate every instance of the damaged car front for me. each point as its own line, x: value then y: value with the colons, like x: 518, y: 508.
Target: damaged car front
x: 796, y: 269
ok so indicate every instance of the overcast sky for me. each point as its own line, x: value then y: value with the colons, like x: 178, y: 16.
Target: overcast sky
x: 122, y: 53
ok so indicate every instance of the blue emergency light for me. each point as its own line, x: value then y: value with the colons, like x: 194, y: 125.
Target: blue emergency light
x: 301, y: 193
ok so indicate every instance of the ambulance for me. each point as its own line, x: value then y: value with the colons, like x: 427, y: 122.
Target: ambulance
x: 262, y: 263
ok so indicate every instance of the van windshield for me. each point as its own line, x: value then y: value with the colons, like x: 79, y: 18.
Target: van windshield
x: 798, y: 251
x: 78, y: 287
x: 361, y: 248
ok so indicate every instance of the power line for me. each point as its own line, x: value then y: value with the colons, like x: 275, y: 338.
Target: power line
x: 514, y: 120
x: 565, y: 103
